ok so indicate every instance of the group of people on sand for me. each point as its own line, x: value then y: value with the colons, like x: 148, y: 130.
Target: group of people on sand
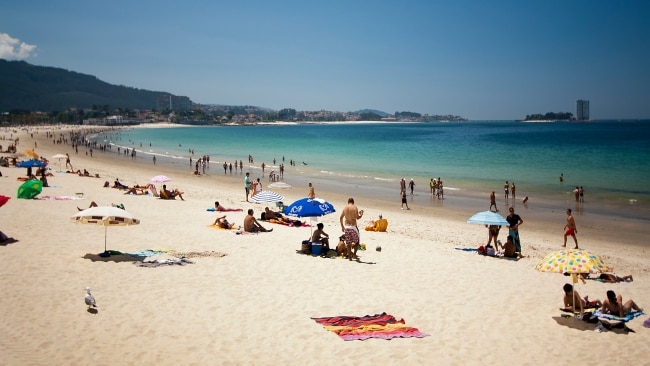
x: 613, y: 304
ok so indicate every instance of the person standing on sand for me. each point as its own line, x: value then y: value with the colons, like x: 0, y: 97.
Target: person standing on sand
x: 348, y: 219
x: 432, y: 186
x: 512, y: 190
x: 402, y: 184
x: 506, y: 188
x: 570, y: 228
x: 581, y: 193
x: 311, y: 193
x: 403, y: 194
x: 411, y: 185
x: 576, y: 193
x: 493, y: 202
x: 513, y: 229
x: 247, y: 184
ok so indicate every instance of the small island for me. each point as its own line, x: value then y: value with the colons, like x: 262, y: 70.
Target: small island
x: 549, y: 117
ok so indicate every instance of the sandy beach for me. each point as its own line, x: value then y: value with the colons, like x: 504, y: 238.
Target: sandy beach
x: 249, y: 299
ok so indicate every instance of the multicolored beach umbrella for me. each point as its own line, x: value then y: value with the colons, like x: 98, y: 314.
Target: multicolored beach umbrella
x: 573, y: 261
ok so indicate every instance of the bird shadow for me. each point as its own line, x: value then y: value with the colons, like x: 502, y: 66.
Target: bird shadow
x: 8, y: 241
x: 93, y: 310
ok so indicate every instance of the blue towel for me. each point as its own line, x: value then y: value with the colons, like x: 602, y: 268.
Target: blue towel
x: 626, y: 318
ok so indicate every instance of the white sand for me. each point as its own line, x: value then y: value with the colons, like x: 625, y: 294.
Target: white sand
x: 253, y: 306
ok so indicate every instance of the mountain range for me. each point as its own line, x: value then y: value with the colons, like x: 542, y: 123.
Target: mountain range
x: 40, y: 88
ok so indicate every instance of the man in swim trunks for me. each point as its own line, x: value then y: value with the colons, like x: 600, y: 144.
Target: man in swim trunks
x: 251, y: 225
x: 614, y: 305
x: 582, y: 303
x: 570, y: 228
x: 348, y: 219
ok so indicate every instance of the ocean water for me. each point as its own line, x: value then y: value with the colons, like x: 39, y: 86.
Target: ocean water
x: 610, y: 159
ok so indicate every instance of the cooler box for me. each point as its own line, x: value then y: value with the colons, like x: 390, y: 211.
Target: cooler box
x: 316, y: 249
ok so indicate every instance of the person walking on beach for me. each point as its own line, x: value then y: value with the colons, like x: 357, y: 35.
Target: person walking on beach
x: 570, y: 228
x: 402, y: 184
x: 403, y: 194
x: 154, y: 160
x: 67, y: 161
x: 348, y: 220
x: 311, y: 193
x: 247, y: 184
x: 411, y: 185
x: 512, y: 190
x: 493, y: 202
x: 581, y: 193
x: 506, y: 188
x: 432, y: 186
x: 514, y: 221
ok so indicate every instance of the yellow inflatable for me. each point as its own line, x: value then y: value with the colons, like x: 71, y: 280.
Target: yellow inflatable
x: 379, y: 225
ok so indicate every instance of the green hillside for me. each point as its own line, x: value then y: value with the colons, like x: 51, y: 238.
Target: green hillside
x: 40, y: 88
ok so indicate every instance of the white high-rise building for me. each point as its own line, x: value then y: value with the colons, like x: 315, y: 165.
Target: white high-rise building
x: 582, y: 110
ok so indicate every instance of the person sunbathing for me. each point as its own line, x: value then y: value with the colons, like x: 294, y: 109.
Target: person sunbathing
x: 223, y: 223
x: 137, y: 190
x: 612, y: 278
x: 614, y: 305
x: 220, y: 208
x: 251, y: 225
x: 583, y: 303
x: 275, y: 217
x: 117, y: 184
x: 170, y: 195
x: 92, y: 204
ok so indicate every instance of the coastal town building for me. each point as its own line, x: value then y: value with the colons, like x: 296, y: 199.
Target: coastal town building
x: 582, y: 110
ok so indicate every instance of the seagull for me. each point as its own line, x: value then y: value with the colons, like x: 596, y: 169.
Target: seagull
x: 90, y: 299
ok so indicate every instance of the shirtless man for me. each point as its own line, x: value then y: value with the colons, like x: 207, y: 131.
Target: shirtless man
x: 613, y: 304
x: 251, y: 225
x: 612, y: 278
x: 493, y: 202
x: 348, y: 220
x: 570, y: 228
x: 570, y: 294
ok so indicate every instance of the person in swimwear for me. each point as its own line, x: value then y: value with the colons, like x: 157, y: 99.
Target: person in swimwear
x: 251, y: 225
x: 218, y: 207
x: 612, y: 278
x: 223, y: 223
x: 570, y: 294
x: 570, y: 228
x: 614, y: 305
x: 348, y: 219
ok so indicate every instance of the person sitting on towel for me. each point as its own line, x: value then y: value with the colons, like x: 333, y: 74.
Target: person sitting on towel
x: 582, y: 303
x: 223, y: 223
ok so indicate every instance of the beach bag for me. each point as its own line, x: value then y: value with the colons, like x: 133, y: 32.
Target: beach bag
x: 306, y: 247
x: 490, y: 251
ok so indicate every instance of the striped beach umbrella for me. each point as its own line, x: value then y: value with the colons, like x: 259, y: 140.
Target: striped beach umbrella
x: 267, y: 197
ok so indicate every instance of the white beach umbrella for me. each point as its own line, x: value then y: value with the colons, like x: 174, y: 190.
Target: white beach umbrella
x: 59, y: 157
x: 281, y: 185
x: 105, y: 216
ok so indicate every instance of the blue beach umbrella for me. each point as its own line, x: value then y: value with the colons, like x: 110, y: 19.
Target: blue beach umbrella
x: 487, y: 218
x: 309, y: 207
x: 31, y: 164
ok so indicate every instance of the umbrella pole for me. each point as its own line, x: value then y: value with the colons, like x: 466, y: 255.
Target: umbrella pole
x: 105, y: 231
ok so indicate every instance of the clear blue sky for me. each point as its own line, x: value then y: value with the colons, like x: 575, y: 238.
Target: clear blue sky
x: 478, y: 59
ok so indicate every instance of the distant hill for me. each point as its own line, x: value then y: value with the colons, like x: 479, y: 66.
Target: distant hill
x: 40, y: 88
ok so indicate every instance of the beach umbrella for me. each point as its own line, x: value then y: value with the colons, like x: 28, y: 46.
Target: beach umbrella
x: 160, y: 179
x: 281, y: 185
x: 105, y: 216
x: 574, y: 262
x: 31, y: 164
x: 30, y: 189
x: 3, y: 200
x: 487, y: 218
x: 31, y: 153
x: 267, y: 197
x: 59, y: 157
x: 309, y: 207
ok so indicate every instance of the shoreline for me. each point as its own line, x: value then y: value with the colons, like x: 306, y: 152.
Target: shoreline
x: 253, y: 306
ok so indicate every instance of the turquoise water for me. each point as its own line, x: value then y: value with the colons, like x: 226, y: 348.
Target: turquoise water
x: 610, y: 159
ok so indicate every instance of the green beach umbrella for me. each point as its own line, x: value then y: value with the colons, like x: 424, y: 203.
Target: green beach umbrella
x: 30, y: 189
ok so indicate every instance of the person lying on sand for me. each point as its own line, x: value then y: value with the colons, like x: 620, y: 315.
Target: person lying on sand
x: 137, y: 190
x: 612, y: 278
x: 220, y: 208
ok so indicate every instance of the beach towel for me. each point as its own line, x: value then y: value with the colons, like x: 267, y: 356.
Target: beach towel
x: 383, y: 326
x: 611, y: 317
x: 220, y: 228
x: 59, y: 198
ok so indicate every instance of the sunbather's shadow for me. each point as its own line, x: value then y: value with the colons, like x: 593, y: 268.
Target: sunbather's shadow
x: 586, y: 326
x: 113, y: 258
